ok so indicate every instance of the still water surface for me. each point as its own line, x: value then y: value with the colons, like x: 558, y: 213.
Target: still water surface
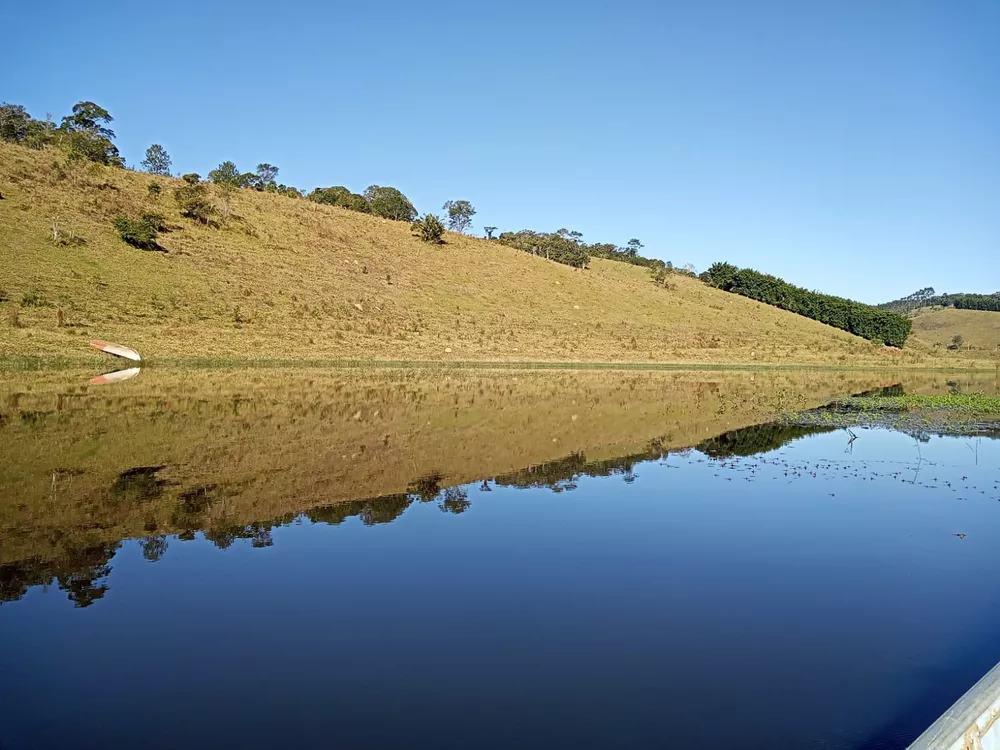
x: 396, y: 559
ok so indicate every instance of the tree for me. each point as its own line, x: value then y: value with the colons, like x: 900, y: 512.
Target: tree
x: 226, y: 174
x: 460, y: 215
x: 88, y: 117
x: 338, y: 195
x: 489, y: 232
x: 330, y: 196
x: 193, y: 201
x: 555, y: 246
x: 660, y: 274
x: 95, y: 148
x: 920, y: 298
x: 957, y: 341
x: 14, y: 122
x: 884, y: 326
x: 389, y: 203
x: 40, y: 133
x: 265, y: 177
x: 157, y: 160
x: 87, y: 136
x: 429, y: 229
x: 921, y: 294
x: 721, y: 275
x: 632, y: 247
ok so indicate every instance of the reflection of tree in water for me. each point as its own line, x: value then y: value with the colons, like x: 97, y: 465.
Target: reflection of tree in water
x: 371, y: 510
x: 153, y: 547
x: 562, y: 474
x: 426, y: 488
x: 80, y: 573
x: 558, y: 475
x: 258, y: 533
x: 749, y: 441
x: 456, y: 500
x: 139, y: 484
x: 189, y: 516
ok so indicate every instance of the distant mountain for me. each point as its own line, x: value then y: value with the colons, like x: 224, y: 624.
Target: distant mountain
x: 928, y: 298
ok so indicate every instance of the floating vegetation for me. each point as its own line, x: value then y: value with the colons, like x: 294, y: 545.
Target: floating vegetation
x: 949, y: 414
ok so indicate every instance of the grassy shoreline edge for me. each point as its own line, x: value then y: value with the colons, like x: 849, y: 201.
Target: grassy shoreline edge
x: 37, y: 363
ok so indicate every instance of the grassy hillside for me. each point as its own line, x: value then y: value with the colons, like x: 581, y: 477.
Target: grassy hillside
x: 288, y: 277
x: 937, y: 326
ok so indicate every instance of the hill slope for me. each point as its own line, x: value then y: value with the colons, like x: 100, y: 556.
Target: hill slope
x: 937, y: 326
x: 288, y: 277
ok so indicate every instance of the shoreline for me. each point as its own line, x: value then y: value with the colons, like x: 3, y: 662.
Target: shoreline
x: 37, y: 363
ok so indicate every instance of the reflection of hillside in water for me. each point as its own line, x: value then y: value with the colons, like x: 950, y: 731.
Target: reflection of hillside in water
x: 234, y: 456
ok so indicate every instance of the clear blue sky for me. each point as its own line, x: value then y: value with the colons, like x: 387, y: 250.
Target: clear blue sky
x: 851, y: 146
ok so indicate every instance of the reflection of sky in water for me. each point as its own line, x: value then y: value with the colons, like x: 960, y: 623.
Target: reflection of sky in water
x: 806, y: 597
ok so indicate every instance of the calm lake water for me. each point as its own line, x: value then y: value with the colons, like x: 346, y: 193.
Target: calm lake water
x: 538, y: 559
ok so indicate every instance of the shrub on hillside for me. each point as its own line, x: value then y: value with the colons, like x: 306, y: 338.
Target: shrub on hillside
x: 154, y: 189
x: 192, y: 178
x: 338, y: 195
x: 141, y: 232
x: 194, y: 202
x: 155, y: 220
x: 869, y: 322
x: 555, y: 246
x: 429, y: 229
x: 389, y: 203
x: 33, y: 299
x: 660, y: 275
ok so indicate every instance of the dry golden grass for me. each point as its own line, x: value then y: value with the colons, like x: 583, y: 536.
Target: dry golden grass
x: 290, y: 278
x: 979, y: 328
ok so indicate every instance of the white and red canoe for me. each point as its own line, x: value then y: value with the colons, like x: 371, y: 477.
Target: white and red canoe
x: 117, y: 349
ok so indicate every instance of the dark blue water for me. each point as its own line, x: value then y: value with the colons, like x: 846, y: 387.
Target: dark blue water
x: 804, y: 597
